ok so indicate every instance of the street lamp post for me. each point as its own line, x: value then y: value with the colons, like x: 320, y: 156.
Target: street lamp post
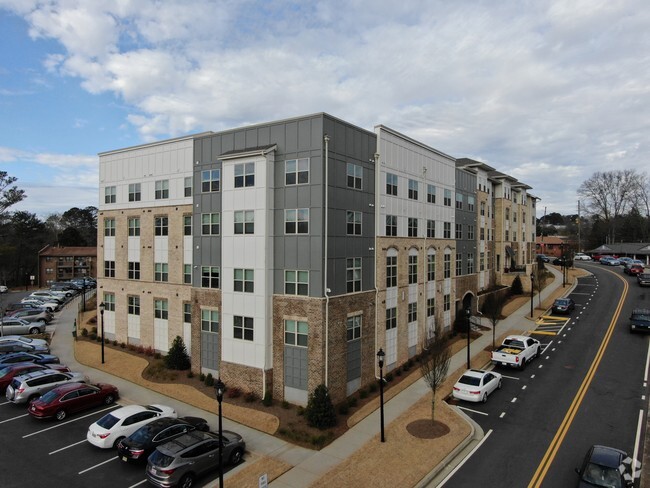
x: 220, y: 387
x: 468, y: 314
x: 532, y: 287
x: 380, y: 360
x: 102, y: 307
x: 83, y: 290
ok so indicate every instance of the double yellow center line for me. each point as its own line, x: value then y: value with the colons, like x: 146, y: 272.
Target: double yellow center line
x: 556, y: 443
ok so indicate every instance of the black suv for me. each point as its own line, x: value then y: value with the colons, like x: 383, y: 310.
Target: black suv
x: 640, y: 320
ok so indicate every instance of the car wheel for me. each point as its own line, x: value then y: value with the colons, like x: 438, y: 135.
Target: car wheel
x: 186, y: 481
x: 484, y: 398
x: 499, y: 385
x: 117, y: 441
x: 537, y: 354
x: 523, y: 364
x: 34, y: 330
x: 236, y: 456
x: 109, y: 399
x: 60, y: 415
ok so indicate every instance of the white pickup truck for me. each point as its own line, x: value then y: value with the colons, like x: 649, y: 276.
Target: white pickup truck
x: 516, y: 351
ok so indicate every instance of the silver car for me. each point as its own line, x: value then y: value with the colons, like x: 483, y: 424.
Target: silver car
x: 181, y: 461
x: 19, y: 326
x: 31, y: 386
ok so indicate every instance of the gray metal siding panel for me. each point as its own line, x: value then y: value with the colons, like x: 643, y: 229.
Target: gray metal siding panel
x: 295, y: 367
x: 354, y: 359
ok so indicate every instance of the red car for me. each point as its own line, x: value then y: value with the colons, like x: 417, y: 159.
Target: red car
x: 634, y: 269
x: 70, y: 398
x: 8, y: 371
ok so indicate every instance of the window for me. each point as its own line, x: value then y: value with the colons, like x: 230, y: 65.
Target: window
x: 109, y: 269
x: 431, y: 307
x: 161, y: 226
x: 161, y: 272
x: 482, y: 261
x: 160, y: 309
x: 514, y: 236
x: 135, y: 192
x: 470, y: 203
x: 243, y: 328
x: 187, y: 313
x: 412, y: 312
x: 391, y: 271
x: 447, y: 198
x: 353, y: 223
x: 109, y: 227
x: 482, y: 208
x: 482, y: 234
x: 459, y: 201
x: 187, y: 274
x: 431, y: 194
x: 353, y: 274
x: 110, y: 194
x: 431, y: 267
x: 134, y: 270
x: 134, y: 226
x: 109, y: 302
x: 431, y: 228
x: 514, y: 216
x: 459, y: 231
x: 470, y: 232
x: 446, y: 302
x: 413, y: 269
x: 459, y: 264
x: 209, y: 276
x: 507, y: 235
x: 210, y: 224
x: 187, y: 225
x: 244, y: 175
x: 355, y: 176
x: 412, y: 227
x: 353, y: 327
x: 210, y: 321
x: 507, y: 214
x: 133, y: 302
x: 391, y: 225
x: 391, y: 318
x: 470, y: 263
x: 447, y: 266
x: 413, y: 189
x: 295, y: 333
x: 296, y: 282
x: 447, y: 230
x: 296, y: 171
x: 391, y: 184
x: 162, y: 189
x: 187, y: 186
x: 210, y: 180
x: 244, y: 280
x: 296, y: 221
x: 245, y: 222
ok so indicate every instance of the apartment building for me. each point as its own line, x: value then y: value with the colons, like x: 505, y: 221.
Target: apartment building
x: 287, y: 253
x: 62, y: 263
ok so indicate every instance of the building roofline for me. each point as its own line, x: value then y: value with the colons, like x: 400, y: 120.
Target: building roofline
x: 156, y: 143
x: 472, y: 163
x: 411, y: 140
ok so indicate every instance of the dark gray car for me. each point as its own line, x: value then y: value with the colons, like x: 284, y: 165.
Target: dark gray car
x: 181, y: 461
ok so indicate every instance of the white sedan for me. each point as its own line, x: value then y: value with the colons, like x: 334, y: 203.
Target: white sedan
x: 108, y: 431
x: 580, y: 256
x: 24, y: 340
x: 476, y: 384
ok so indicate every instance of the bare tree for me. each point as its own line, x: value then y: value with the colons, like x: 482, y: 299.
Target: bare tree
x: 492, y: 308
x: 434, y: 365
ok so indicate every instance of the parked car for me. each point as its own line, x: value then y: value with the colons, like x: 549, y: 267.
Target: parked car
x: 22, y: 357
x: 109, y: 430
x: 476, y: 384
x: 640, y: 320
x: 9, y: 371
x: 609, y: 261
x: 25, y: 340
x: 580, y: 256
x: 603, y: 466
x: 47, y: 296
x: 51, y: 306
x: 12, y: 307
x: 559, y: 261
x: 29, y: 387
x: 33, y: 315
x: 624, y: 260
x: 3, y: 289
x: 563, y: 306
x: 181, y: 461
x: 9, y: 347
x: 543, y: 257
x: 643, y: 279
x: 70, y: 398
x: 16, y: 325
x: 516, y: 351
x: 634, y: 269
x: 139, y: 445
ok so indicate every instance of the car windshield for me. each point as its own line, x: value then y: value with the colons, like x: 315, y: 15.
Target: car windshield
x: 107, y: 421
x: 641, y: 316
x: 49, y: 397
x: 598, y: 475
x: 470, y: 380
x: 4, y: 371
x: 160, y: 459
x: 561, y: 302
x: 143, y: 434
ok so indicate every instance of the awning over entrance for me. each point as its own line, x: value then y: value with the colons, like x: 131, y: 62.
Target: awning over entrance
x: 510, y: 252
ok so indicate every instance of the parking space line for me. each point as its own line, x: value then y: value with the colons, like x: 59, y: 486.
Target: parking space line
x: 470, y: 410
x: 13, y: 418
x: 67, y: 447
x: 69, y: 421
x: 98, y: 465
x: 138, y: 484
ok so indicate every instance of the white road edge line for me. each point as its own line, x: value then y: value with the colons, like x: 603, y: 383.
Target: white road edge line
x: 647, y: 361
x: 460, y: 465
x: 636, y: 442
x: 98, y: 465
x: 64, y: 423
x: 473, y: 411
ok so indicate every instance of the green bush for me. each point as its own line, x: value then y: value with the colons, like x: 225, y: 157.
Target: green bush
x: 177, y: 357
x: 516, y: 288
x: 209, y: 380
x: 268, y: 399
x: 250, y: 397
x: 190, y: 374
x: 320, y: 411
x: 202, y: 377
x: 343, y: 408
x: 84, y: 332
x: 352, y: 401
x: 363, y: 394
x: 123, y: 345
x: 92, y: 336
x: 389, y: 377
x: 286, y: 405
x: 372, y: 387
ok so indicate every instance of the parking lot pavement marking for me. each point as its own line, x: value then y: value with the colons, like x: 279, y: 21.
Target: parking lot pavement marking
x: 69, y: 421
x: 138, y: 484
x: 13, y: 418
x: 470, y: 410
x: 98, y: 465
x: 503, y: 414
x: 513, y: 400
x: 523, y: 387
x: 510, y: 377
x: 67, y: 447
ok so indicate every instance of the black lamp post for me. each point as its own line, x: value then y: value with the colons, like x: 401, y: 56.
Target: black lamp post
x: 532, y: 288
x: 102, y: 307
x: 380, y: 360
x: 563, y: 265
x: 83, y: 290
x: 220, y: 387
x: 468, y: 314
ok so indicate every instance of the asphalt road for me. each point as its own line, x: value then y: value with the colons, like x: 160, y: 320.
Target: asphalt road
x: 540, y: 424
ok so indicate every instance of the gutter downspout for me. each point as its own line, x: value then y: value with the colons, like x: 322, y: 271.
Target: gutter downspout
x: 377, y: 224
x: 326, y: 138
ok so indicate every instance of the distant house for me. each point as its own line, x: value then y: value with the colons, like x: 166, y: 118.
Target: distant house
x: 64, y: 263
x: 634, y: 250
x: 550, y: 245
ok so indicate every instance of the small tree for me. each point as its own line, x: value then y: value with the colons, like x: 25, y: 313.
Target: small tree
x: 434, y: 364
x: 177, y: 357
x: 516, y: 288
x: 320, y: 411
x: 492, y: 309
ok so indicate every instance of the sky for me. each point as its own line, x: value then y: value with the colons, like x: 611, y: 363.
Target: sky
x: 549, y: 92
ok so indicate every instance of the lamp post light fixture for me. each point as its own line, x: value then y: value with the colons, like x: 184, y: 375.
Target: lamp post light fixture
x: 102, y: 307
x: 220, y: 388
x: 532, y: 289
x: 468, y: 314
x: 380, y: 360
